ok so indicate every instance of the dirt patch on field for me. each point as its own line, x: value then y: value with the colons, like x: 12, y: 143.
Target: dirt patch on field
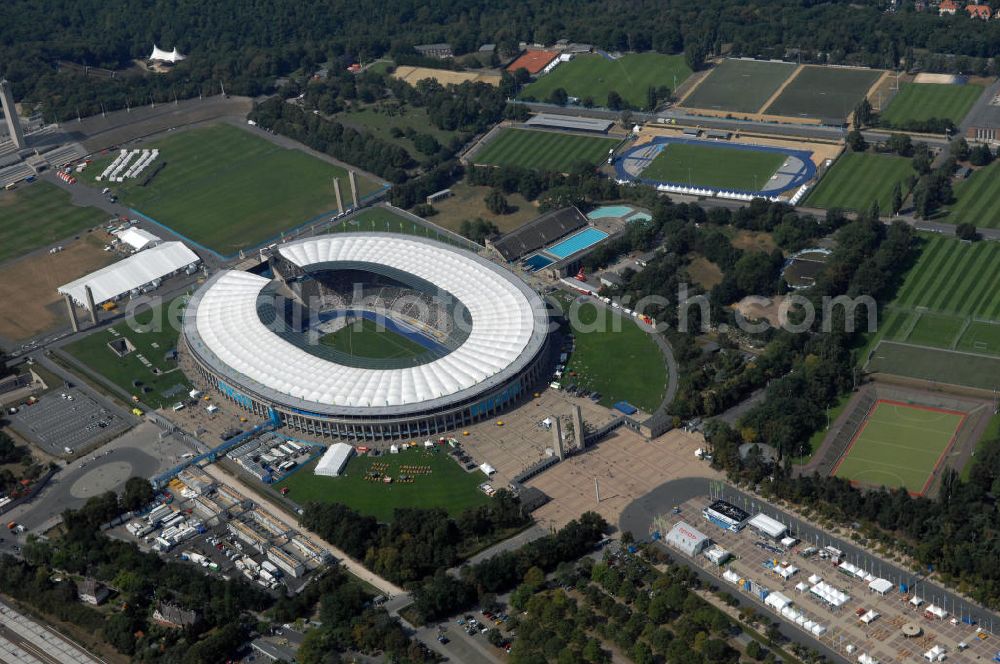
x: 29, y: 303
x: 444, y: 76
x: 753, y: 241
x: 758, y: 308
x: 821, y: 150
x: 468, y: 202
x: 704, y: 272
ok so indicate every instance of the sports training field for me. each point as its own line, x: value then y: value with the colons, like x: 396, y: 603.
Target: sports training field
x: 156, y: 389
x: 977, y: 199
x: 858, y: 178
x: 447, y: 486
x: 948, y: 301
x: 739, y: 85
x: 364, y: 338
x: 617, y: 359
x: 544, y: 150
x: 824, y: 92
x: 35, y: 215
x: 923, y: 101
x: 899, y: 445
x: 709, y: 166
x: 594, y: 76
x: 228, y: 189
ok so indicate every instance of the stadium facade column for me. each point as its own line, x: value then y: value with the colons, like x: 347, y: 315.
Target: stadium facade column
x: 340, y: 200
x: 72, y: 312
x: 91, y: 307
x: 578, y: 429
x: 557, y: 439
x: 10, y: 112
x: 354, y: 187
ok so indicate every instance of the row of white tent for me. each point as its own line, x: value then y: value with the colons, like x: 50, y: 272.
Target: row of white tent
x: 829, y: 594
x: 702, y: 191
x: 147, y: 158
x: 119, y: 169
x: 798, y: 196
x: 783, y: 605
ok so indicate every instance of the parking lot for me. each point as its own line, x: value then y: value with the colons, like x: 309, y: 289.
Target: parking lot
x: 66, y: 422
x: 865, y: 623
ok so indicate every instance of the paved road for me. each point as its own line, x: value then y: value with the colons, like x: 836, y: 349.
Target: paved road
x: 388, y: 588
x: 638, y: 517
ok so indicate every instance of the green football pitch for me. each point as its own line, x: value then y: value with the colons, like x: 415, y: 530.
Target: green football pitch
x: 899, y: 445
x: 544, y: 150
x: 35, y: 215
x: 614, y: 357
x: 823, y: 92
x: 710, y: 166
x: 740, y: 86
x: 365, y: 338
x: 228, y: 189
x: 595, y: 76
x: 152, y: 333
x: 977, y: 200
x: 858, y: 178
x: 447, y: 485
x: 923, y: 101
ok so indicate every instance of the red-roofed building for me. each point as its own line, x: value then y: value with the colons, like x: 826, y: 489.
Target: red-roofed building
x: 534, y: 61
x: 983, y: 12
x: 947, y: 7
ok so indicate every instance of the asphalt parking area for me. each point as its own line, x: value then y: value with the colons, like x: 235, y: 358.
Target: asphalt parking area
x: 64, y: 420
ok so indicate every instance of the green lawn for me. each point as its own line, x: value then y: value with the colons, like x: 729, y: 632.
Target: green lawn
x: 595, y: 76
x: 163, y: 378
x: 380, y: 120
x: 37, y: 214
x: 824, y: 92
x: 447, y: 486
x: 935, y: 365
x: 899, y: 446
x: 858, y: 178
x: 924, y: 101
x: 977, y: 200
x: 740, y: 86
x: 228, y: 189
x: 544, y: 150
x: 371, y: 341
x: 710, y: 166
x: 616, y: 358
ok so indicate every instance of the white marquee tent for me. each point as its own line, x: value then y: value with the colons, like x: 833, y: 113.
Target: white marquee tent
x: 334, y: 460
x: 138, y: 238
x: 135, y: 272
x: 160, y: 55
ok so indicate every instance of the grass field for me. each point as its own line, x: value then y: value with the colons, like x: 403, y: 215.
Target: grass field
x: 740, y: 86
x: 380, y: 121
x: 38, y: 214
x: 544, y: 150
x: 923, y: 101
x: 977, y: 200
x: 228, y: 189
x: 448, y: 486
x: 617, y: 359
x: 595, y: 76
x: 469, y: 202
x: 899, y: 445
x: 858, y: 178
x: 935, y: 365
x: 165, y: 388
x: 709, y: 166
x: 363, y: 338
x: 824, y: 92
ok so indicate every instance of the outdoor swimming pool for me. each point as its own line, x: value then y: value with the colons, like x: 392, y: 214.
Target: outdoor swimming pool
x: 608, y: 211
x: 536, y: 262
x: 588, y: 237
x: 640, y: 216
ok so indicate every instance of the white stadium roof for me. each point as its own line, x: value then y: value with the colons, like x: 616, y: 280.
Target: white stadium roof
x: 506, y: 322
x: 165, y: 56
x: 136, y: 271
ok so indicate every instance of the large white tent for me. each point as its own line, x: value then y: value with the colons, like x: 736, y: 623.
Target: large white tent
x: 765, y: 525
x: 135, y: 272
x: 334, y: 460
x: 138, y: 238
x: 160, y: 55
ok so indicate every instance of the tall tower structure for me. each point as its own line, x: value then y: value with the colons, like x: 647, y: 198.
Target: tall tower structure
x: 10, y: 112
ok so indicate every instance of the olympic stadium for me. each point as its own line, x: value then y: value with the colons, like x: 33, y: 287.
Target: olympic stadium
x: 475, y: 336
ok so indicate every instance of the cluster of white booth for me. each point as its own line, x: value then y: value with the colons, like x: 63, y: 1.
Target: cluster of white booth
x: 119, y: 169
x: 783, y: 605
x: 702, y: 191
x: 826, y: 592
x: 798, y: 195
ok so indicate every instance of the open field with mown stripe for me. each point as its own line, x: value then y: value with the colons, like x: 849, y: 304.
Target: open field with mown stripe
x: 857, y: 179
x: 37, y: 214
x: 709, y: 166
x: 922, y: 101
x: 977, y: 200
x: 899, y: 445
x: 594, y: 76
x: 739, y: 85
x: 823, y: 92
x: 543, y: 150
x: 228, y: 189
